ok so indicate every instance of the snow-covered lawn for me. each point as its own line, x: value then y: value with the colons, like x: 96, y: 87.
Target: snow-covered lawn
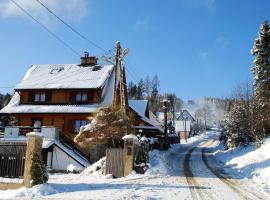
x: 161, y: 181
x: 165, y: 179
x: 248, y: 162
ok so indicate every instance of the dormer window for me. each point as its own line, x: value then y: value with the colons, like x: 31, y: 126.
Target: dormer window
x: 81, y: 97
x: 39, y: 97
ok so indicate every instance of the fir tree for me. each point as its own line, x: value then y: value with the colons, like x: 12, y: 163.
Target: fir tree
x: 261, y: 70
x: 38, y: 171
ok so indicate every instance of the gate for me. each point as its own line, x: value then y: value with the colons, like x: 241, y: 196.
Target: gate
x: 12, y: 159
x: 115, y: 162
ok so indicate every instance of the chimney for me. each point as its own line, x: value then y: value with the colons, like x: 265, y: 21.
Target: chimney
x: 87, y: 60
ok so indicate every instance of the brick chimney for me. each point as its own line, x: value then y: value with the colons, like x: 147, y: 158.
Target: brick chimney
x: 87, y: 60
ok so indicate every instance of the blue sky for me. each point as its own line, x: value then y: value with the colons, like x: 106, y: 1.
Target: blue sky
x: 197, y: 47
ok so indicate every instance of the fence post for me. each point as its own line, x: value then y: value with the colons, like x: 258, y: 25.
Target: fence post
x: 34, y: 146
x: 129, y: 155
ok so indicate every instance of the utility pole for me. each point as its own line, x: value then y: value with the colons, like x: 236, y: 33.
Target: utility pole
x: 120, y: 79
x: 165, y: 108
x: 116, y: 67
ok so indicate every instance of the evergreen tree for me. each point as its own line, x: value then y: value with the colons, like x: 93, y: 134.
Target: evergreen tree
x: 148, y: 87
x: 38, y: 171
x: 261, y: 70
x: 140, y: 90
x: 132, y: 90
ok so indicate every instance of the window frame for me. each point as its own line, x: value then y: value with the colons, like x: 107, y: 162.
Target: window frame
x: 80, y: 123
x: 82, y: 97
x: 39, y: 97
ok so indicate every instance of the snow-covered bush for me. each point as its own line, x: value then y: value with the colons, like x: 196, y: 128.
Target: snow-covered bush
x: 142, y: 156
x: 98, y: 168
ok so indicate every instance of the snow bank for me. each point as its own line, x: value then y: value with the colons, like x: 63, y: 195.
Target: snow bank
x: 10, y: 180
x: 249, y: 162
x: 96, y: 168
x: 74, y: 168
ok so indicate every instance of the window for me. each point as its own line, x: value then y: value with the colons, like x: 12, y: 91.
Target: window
x: 40, y: 97
x: 81, y: 97
x: 78, y: 124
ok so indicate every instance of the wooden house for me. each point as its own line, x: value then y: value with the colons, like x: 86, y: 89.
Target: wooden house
x: 66, y: 95
x: 183, y: 123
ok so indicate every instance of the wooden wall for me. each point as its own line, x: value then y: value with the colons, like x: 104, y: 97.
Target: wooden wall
x: 62, y: 96
x: 65, y: 122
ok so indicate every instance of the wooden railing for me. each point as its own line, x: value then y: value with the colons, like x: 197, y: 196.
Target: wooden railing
x: 23, y: 130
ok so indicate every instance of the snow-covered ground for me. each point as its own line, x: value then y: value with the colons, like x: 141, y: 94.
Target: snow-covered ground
x: 165, y: 179
x: 248, y: 162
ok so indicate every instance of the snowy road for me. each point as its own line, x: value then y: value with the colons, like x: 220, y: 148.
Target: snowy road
x: 207, y: 180
x: 187, y: 171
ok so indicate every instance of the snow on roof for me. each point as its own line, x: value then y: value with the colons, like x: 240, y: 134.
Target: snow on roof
x: 154, y: 118
x: 139, y: 106
x: 184, y: 115
x: 47, y: 143
x: 14, y: 105
x: 56, y: 76
x: 130, y: 137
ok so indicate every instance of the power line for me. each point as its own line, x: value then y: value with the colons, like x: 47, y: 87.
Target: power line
x: 47, y: 29
x: 70, y: 27
x: 78, y: 33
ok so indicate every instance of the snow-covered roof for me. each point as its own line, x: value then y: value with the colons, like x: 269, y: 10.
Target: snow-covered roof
x: 184, y: 115
x: 14, y: 105
x: 65, y: 76
x: 139, y: 106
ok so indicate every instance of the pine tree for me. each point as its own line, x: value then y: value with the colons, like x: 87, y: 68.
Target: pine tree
x: 147, y: 86
x: 132, y: 90
x: 38, y: 171
x: 140, y: 90
x: 261, y: 70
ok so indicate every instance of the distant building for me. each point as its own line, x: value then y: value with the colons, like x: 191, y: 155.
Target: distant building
x: 183, y: 123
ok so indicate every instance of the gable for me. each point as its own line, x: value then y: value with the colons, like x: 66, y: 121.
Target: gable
x: 185, y: 116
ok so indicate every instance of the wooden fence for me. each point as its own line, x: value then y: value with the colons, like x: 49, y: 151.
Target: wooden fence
x: 115, y: 162
x: 2, y: 132
x: 12, y: 159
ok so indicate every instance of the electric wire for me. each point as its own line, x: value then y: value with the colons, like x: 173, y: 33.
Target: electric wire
x: 70, y: 27
x: 46, y: 28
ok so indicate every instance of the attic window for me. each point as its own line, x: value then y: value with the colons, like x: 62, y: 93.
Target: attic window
x: 56, y: 70
x: 40, y: 97
x: 96, y: 68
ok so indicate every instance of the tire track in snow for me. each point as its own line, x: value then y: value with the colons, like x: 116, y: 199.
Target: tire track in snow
x: 234, y: 186
x: 194, y: 187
